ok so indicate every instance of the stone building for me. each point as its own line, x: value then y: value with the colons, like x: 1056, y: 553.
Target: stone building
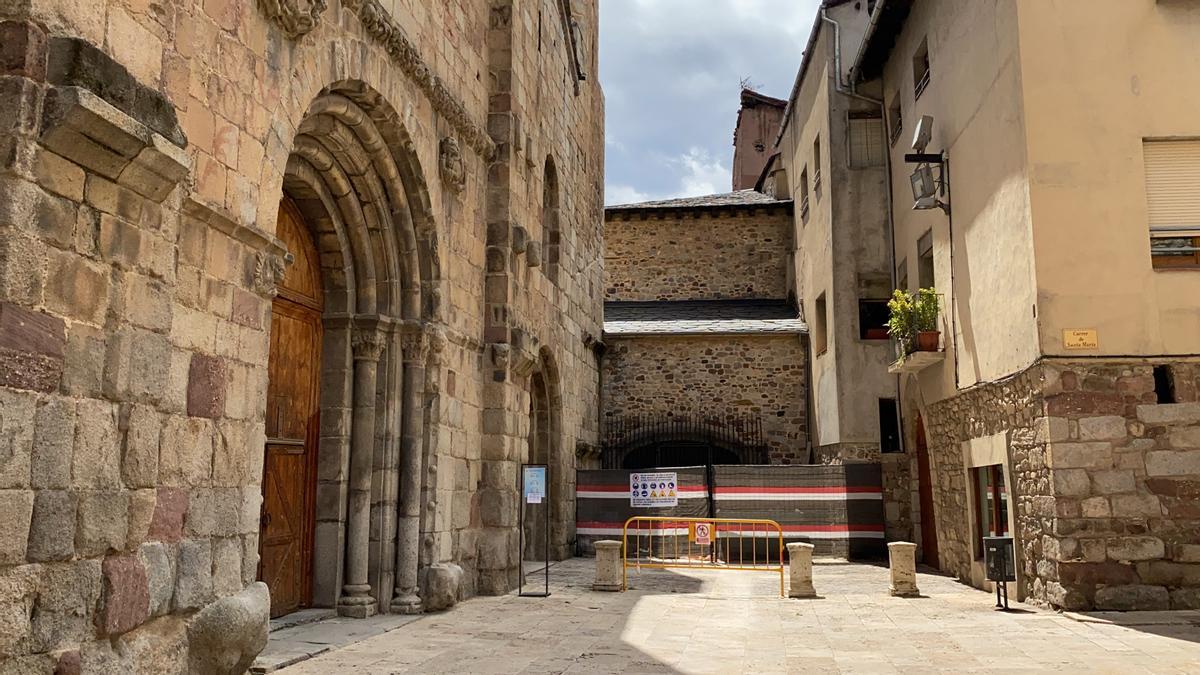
x: 288, y: 291
x: 1061, y: 234
x: 704, y: 354
x: 757, y: 122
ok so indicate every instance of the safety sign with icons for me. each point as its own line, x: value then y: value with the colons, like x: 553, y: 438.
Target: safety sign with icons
x: 653, y: 489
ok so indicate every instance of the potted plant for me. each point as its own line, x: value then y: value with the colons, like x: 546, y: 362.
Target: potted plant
x: 901, y: 320
x: 925, y: 320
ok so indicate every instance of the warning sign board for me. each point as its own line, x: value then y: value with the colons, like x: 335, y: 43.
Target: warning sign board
x: 653, y: 489
x: 703, y: 533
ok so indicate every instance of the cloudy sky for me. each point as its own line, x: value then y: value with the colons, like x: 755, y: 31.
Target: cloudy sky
x: 670, y: 71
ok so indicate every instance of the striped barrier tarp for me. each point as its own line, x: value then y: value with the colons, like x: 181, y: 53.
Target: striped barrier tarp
x: 602, y: 503
x: 837, y: 508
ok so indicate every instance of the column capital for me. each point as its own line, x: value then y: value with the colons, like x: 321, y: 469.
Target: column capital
x: 414, y: 347
x: 367, y: 344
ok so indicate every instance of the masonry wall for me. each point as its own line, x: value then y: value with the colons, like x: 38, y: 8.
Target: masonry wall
x: 1102, y: 482
x: 713, y: 376
x: 698, y: 255
x: 143, y: 155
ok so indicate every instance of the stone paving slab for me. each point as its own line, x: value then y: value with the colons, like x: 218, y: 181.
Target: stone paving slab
x: 303, y: 637
x: 677, y: 621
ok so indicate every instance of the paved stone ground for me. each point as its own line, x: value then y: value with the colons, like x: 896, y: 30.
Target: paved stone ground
x: 734, y: 622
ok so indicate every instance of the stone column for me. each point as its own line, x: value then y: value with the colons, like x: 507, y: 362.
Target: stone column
x: 902, y: 562
x: 800, y: 565
x: 406, y: 600
x: 356, y: 600
x: 608, y: 566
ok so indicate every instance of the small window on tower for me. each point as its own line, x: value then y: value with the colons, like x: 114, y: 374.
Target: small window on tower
x: 866, y: 139
x: 889, y: 426
x: 820, y: 339
x: 872, y: 319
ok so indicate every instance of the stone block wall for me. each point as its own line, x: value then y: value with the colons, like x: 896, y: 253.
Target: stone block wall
x: 713, y: 376
x: 1103, y: 481
x: 1125, y: 475
x: 132, y: 375
x: 718, y: 255
x: 144, y: 151
x: 1010, y: 407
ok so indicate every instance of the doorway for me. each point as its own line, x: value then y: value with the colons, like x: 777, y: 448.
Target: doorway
x: 929, y: 547
x: 292, y: 420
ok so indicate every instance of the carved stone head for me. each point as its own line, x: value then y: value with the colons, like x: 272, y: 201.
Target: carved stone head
x: 451, y: 164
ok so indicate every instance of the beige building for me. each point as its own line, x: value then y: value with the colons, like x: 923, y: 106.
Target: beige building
x: 1061, y: 406
x: 704, y: 359
x: 829, y: 159
x: 288, y: 291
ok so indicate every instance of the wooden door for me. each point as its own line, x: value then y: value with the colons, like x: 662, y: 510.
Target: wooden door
x: 929, y: 552
x: 289, y: 468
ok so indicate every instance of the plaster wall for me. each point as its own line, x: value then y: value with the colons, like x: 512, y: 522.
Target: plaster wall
x: 1098, y: 78
x: 974, y: 95
x: 843, y: 252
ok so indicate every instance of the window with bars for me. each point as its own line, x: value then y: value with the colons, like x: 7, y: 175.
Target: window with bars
x: 804, y: 194
x: 1173, y: 201
x: 817, y: 166
x: 920, y: 64
x: 865, y: 130
x: 894, y: 119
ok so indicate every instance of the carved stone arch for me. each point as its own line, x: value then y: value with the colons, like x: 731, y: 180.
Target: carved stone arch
x: 354, y: 176
x: 396, y: 162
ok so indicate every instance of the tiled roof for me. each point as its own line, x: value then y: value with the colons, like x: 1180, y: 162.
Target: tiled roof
x: 700, y: 317
x: 739, y: 198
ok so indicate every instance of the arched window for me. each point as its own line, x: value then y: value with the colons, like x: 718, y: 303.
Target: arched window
x: 551, y: 233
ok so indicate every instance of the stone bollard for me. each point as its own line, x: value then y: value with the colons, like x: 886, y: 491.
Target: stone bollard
x: 608, y: 566
x: 902, y: 561
x: 800, y: 562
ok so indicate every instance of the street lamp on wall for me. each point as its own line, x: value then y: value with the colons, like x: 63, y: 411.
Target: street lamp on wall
x: 926, y: 188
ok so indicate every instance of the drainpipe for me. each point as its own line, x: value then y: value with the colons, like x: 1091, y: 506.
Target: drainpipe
x: 850, y: 89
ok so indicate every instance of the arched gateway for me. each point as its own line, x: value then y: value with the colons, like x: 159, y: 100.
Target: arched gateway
x: 351, y: 331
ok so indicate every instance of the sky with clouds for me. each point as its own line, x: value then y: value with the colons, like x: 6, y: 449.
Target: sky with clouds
x: 670, y: 71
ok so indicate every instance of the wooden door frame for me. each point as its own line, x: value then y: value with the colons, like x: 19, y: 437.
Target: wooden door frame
x: 929, y: 547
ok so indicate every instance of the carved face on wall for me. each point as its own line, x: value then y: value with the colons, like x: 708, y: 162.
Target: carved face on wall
x: 450, y: 163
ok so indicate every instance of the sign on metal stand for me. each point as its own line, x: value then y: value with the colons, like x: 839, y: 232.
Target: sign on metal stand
x: 534, y: 479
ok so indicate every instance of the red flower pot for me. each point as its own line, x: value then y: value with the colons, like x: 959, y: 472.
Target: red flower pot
x: 927, y: 340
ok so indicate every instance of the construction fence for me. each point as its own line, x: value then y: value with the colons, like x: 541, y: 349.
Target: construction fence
x: 837, y: 508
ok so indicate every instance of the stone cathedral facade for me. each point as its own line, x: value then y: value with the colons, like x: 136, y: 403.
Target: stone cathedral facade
x: 289, y: 289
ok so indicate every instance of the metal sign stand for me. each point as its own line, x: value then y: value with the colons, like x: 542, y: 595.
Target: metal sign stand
x: 1004, y: 585
x: 545, y: 593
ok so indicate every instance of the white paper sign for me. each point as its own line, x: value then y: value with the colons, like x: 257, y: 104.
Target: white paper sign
x: 535, y: 484
x: 653, y: 489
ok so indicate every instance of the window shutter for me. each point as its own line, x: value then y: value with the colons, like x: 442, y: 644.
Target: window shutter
x: 866, y: 142
x: 1173, y: 185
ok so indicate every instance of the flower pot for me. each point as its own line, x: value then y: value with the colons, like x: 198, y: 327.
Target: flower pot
x: 927, y: 340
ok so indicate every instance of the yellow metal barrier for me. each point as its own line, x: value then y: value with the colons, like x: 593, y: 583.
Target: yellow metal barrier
x: 659, y: 538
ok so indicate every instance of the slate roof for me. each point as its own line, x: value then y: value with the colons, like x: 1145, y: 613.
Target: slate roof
x: 702, y: 317
x: 726, y: 199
